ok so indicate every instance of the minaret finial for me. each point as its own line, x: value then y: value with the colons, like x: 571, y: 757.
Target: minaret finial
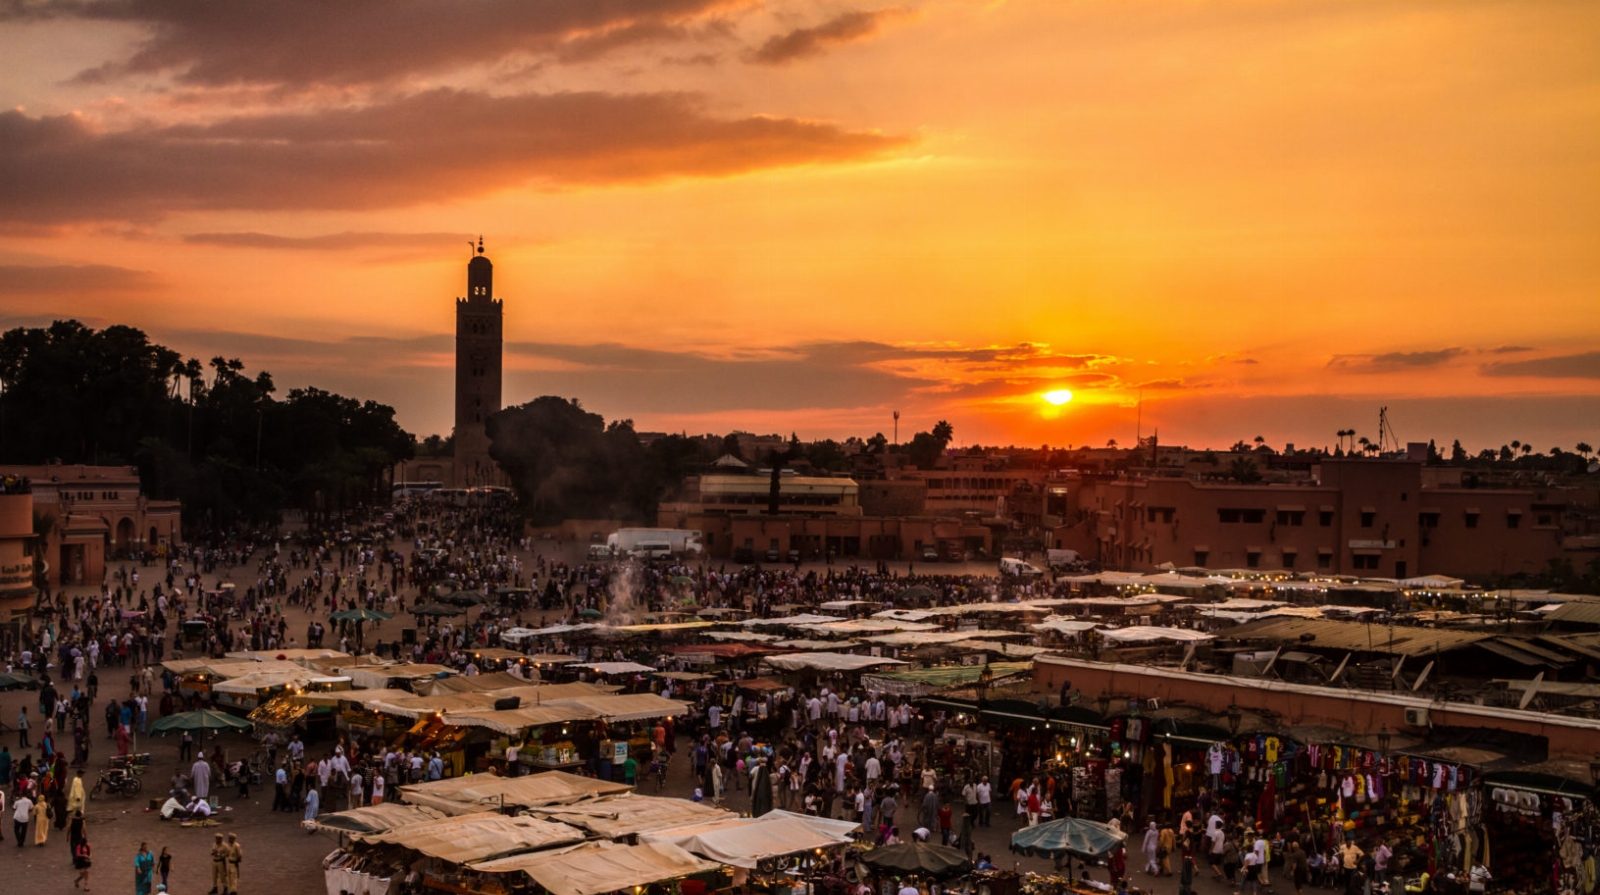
x: 480, y: 243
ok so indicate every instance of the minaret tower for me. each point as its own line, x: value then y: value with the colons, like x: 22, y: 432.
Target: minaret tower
x: 478, y: 346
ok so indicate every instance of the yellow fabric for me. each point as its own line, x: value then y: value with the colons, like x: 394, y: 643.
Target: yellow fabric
x: 75, y: 796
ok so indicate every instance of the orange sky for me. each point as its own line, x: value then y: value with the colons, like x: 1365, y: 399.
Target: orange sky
x: 1274, y: 217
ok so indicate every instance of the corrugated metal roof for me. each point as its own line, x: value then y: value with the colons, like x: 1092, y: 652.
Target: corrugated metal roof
x: 1393, y: 640
x: 1580, y: 612
x: 1509, y: 651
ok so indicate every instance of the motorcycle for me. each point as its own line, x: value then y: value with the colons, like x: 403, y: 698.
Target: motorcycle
x: 115, y: 780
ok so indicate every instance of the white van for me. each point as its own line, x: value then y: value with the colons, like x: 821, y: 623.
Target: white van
x: 1016, y: 568
x: 651, y: 550
x: 599, y: 552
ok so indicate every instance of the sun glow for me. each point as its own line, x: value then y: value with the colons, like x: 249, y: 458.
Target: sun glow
x: 1058, y: 397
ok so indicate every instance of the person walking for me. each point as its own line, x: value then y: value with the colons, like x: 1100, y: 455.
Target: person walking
x: 80, y: 861
x: 21, y: 810
x: 313, y: 804
x: 144, y: 865
x: 22, y: 728
x: 200, y: 776
x: 41, y: 822
x: 1152, y: 844
x: 164, y: 864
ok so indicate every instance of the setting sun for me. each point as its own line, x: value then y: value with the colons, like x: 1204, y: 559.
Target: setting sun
x: 1058, y: 397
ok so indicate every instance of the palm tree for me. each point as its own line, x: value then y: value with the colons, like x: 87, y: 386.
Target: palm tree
x: 1527, y: 449
x: 1366, y: 444
x: 1584, y: 449
x: 1111, y: 442
x: 944, y: 432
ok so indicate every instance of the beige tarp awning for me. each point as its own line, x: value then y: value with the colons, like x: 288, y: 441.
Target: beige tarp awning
x: 828, y: 661
x: 744, y: 841
x: 478, y: 837
x: 510, y: 721
x: 462, y: 795
x: 378, y: 818
x: 626, y: 815
x: 461, y: 683
x: 597, y: 867
x: 625, y: 706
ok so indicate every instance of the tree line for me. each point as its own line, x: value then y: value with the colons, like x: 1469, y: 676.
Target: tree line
x: 210, y: 435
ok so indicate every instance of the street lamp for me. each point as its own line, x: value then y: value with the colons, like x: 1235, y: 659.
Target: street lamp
x: 1105, y: 703
x: 1235, y: 718
x: 1383, y: 740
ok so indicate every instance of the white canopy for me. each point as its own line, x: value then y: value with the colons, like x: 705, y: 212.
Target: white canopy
x: 1152, y: 634
x: 596, y: 867
x: 1065, y: 624
x: 478, y: 837
x: 869, y: 626
x: 843, y: 604
x: 804, y: 619
x: 617, y: 667
x: 904, y: 615
x: 743, y: 636
x: 745, y: 841
x: 827, y: 661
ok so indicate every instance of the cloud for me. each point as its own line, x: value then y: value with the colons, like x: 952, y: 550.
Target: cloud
x: 326, y: 242
x: 73, y: 279
x: 1394, y: 360
x: 434, y: 146
x: 1565, y: 366
x: 299, y: 43
x: 806, y: 42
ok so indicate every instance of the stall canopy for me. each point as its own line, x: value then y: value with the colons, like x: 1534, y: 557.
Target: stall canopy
x: 509, y: 721
x: 624, y: 706
x: 478, y: 837
x: 464, y: 795
x: 942, y: 677
x: 828, y: 662
x: 379, y: 818
x: 617, y: 668
x: 1152, y: 634
x: 746, y: 841
x: 597, y: 867
x: 807, y: 619
x: 919, y: 857
x: 618, y: 818
x: 1065, y: 625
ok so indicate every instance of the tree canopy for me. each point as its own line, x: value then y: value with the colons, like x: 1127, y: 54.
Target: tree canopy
x: 209, y: 435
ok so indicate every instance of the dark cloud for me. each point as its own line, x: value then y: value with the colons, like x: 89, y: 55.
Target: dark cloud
x: 1565, y: 366
x: 1510, y: 349
x: 805, y: 42
x: 434, y: 146
x: 1393, y: 361
x: 327, y: 242
x: 72, y: 279
x: 306, y: 42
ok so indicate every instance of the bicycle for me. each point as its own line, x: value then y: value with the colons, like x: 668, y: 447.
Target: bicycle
x: 659, y: 765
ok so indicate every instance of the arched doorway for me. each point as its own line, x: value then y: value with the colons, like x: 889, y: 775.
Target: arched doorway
x: 155, y: 537
x: 123, y: 542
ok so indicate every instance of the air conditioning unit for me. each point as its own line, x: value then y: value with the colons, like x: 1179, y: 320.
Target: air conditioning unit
x: 1153, y: 704
x: 1417, y: 717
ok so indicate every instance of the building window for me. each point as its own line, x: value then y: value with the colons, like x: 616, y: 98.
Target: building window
x: 1367, y: 519
x: 711, y: 538
x: 1513, y: 520
x: 1545, y: 519
x: 1294, y: 518
x: 1325, y: 518
x: 1200, y: 557
x: 1227, y: 515
x: 1253, y: 516
x: 1364, y: 561
x: 1324, y: 560
x: 1428, y: 520
x: 1253, y: 559
x: 1472, y: 520
x: 1289, y: 559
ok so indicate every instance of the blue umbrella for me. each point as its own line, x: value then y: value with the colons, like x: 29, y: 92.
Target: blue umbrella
x: 1075, y: 836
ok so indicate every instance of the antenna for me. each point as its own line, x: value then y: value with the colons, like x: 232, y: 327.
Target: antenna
x: 1386, y: 437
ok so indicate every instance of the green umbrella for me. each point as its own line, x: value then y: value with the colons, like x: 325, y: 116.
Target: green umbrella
x: 1076, y: 836
x: 918, y: 857
x: 205, y: 719
x: 464, y: 598
x: 590, y: 613
x: 681, y: 579
x: 11, y: 681
x: 437, y: 609
x: 360, y: 615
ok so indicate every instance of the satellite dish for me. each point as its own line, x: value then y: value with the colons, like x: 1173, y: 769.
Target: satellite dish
x: 1273, y: 661
x: 1422, y: 677
x: 1188, y: 656
x: 1397, y: 666
x: 1340, y: 670
x: 1594, y: 466
x: 1531, y: 691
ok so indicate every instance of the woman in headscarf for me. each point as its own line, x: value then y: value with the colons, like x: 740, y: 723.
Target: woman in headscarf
x: 75, y: 831
x: 144, y: 866
x: 76, y: 798
x: 59, y: 806
x: 1164, y: 851
x: 1152, y: 844
x: 41, y: 820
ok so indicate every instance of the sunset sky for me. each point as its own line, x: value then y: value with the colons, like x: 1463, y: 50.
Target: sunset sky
x: 1267, y: 218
